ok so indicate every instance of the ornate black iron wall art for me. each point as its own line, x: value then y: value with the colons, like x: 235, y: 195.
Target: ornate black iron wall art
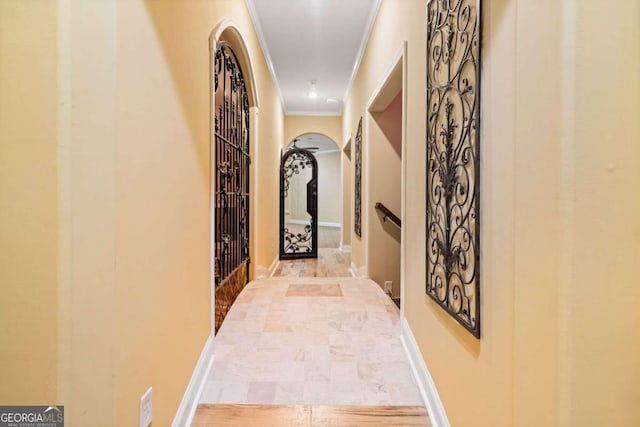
x: 231, y: 171
x: 453, y: 162
x: 299, y: 239
x: 357, y: 217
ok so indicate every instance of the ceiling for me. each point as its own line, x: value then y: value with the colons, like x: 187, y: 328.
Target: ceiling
x: 305, y: 40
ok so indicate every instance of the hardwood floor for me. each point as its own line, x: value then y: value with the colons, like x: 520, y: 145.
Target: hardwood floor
x: 252, y: 415
x: 309, y: 415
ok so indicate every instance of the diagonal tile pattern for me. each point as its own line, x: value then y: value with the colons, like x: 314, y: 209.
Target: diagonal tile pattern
x: 313, y: 347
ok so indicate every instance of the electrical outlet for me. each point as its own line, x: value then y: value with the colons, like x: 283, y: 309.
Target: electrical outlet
x: 146, y: 408
x: 388, y: 286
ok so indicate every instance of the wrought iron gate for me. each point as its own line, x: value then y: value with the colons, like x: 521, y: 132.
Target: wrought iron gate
x: 298, y: 205
x: 231, y: 169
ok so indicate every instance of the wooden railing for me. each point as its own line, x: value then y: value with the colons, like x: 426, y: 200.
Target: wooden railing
x: 388, y: 214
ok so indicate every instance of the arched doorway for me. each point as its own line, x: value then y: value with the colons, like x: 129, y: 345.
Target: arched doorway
x: 293, y: 213
x: 298, y: 204
x: 231, y: 179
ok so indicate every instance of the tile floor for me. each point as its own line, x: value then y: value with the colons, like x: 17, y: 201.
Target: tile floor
x: 312, y: 347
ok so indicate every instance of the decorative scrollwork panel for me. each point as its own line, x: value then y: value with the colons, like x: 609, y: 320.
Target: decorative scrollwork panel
x: 357, y: 217
x: 298, y: 205
x: 453, y: 152
x: 231, y: 171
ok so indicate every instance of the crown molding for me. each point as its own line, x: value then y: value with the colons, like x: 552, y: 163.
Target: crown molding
x: 313, y: 113
x: 265, y: 51
x: 363, y: 46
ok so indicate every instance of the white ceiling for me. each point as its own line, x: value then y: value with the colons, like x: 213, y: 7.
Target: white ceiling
x: 306, y: 40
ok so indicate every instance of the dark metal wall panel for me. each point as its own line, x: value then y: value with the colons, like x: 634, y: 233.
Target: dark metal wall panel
x: 453, y: 158
x: 357, y: 217
x: 299, y: 244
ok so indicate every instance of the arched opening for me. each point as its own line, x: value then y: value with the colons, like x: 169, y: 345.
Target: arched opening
x: 298, y: 204
x: 329, y: 190
x: 233, y: 114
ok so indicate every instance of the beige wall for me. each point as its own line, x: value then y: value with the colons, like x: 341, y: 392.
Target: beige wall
x: 329, y: 126
x: 329, y: 191
x: 604, y: 147
x: 87, y: 316
x: 537, y: 282
x: 28, y: 203
x: 384, y: 143
x: 106, y: 212
x: 560, y: 213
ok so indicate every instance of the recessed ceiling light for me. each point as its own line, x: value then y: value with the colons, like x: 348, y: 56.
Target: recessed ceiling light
x: 313, y: 93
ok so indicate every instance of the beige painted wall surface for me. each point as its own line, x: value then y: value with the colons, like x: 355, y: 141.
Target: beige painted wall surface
x: 294, y: 126
x: 86, y: 317
x: 537, y: 238
x: 28, y: 203
x: 603, y: 297
x: 329, y: 191
x: 385, y: 153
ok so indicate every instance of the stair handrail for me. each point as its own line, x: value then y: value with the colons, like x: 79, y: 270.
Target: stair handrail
x: 388, y: 214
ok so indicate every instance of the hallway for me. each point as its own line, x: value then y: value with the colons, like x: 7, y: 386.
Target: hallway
x: 159, y: 157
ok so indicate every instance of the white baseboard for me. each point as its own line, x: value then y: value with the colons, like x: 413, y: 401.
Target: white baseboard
x: 329, y: 224
x: 187, y: 409
x: 437, y: 414
x: 264, y: 272
x: 320, y: 223
x: 359, y: 272
x: 274, y: 266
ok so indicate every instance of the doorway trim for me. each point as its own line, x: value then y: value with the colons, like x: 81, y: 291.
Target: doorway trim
x: 227, y: 30
x: 383, y: 94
